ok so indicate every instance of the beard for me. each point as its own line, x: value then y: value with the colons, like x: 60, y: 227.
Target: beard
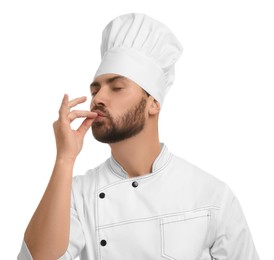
x: 110, y: 130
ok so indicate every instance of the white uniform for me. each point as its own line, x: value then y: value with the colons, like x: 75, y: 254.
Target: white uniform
x: 177, y: 212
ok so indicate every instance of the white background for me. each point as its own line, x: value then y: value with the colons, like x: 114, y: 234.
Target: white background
x: 218, y: 114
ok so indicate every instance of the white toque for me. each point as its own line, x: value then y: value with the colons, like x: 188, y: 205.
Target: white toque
x: 142, y: 49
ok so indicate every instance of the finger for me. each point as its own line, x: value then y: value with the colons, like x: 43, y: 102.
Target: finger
x: 81, y: 113
x: 85, y: 126
x: 76, y: 101
x: 64, y: 106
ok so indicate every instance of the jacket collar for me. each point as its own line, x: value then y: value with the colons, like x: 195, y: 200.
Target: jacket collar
x: 159, y: 162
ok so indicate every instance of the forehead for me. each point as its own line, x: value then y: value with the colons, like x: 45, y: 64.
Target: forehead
x: 109, y: 78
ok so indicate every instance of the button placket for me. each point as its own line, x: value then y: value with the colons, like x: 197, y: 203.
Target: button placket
x: 102, y: 195
x: 103, y: 242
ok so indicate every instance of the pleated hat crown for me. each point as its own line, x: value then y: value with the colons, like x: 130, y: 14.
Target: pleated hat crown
x: 142, y: 49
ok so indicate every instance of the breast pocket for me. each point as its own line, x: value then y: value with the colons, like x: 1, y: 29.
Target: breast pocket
x: 183, y: 236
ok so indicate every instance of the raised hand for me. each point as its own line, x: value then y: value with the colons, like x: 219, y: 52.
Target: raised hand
x: 69, y: 142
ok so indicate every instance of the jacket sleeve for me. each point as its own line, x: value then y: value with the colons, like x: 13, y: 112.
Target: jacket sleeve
x: 76, y: 239
x: 233, y: 240
x: 24, y: 253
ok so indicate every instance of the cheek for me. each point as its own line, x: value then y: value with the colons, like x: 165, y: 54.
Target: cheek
x: 91, y: 105
x: 120, y: 106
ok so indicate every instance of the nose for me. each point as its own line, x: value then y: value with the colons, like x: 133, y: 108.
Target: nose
x: 100, y: 98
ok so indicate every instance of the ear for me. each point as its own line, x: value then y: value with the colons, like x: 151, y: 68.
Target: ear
x: 154, y: 106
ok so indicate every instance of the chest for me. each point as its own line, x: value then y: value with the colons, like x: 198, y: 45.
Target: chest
x: 142, y: 220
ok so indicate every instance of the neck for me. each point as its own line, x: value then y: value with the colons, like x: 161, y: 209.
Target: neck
x: 137, y: 154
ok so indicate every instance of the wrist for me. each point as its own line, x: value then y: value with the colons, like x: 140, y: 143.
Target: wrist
x: 66, y: 160
x: 63, y: 167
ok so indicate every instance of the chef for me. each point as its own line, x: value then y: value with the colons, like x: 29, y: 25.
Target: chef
x: 143, y: 203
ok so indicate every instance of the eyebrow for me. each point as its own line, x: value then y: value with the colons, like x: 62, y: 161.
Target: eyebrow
x: 109, y: 80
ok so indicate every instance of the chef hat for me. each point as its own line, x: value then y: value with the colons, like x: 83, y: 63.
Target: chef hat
x: 142, y: 49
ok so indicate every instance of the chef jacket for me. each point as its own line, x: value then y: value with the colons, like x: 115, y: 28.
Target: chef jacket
x: 177, y: 212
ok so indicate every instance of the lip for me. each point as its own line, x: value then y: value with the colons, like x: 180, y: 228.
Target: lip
x: 99, y: 113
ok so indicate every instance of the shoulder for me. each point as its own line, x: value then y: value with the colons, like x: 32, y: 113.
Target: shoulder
x: 194, y: 173
x: 199, y: 182
x: 89, y: 179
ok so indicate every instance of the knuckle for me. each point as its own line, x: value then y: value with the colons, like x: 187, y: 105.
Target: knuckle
x: 55, y: 124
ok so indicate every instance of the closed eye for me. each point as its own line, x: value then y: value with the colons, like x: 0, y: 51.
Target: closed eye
x: 116, y: 89
x: 94, y: 90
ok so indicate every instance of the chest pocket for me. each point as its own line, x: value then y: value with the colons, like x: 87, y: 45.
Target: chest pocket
x: 183, y: 236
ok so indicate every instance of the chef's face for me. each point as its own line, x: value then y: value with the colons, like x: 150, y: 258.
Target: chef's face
x: 120, y: 104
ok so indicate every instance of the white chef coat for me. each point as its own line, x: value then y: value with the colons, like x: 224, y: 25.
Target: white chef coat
x: 177, y: 212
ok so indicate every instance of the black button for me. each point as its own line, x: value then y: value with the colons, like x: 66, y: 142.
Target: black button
x: 103, y: 242
x: 135, y: 184
x: 102, y: 195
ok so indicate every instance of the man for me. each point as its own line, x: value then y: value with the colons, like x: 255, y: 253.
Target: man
x: 143, y: 203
